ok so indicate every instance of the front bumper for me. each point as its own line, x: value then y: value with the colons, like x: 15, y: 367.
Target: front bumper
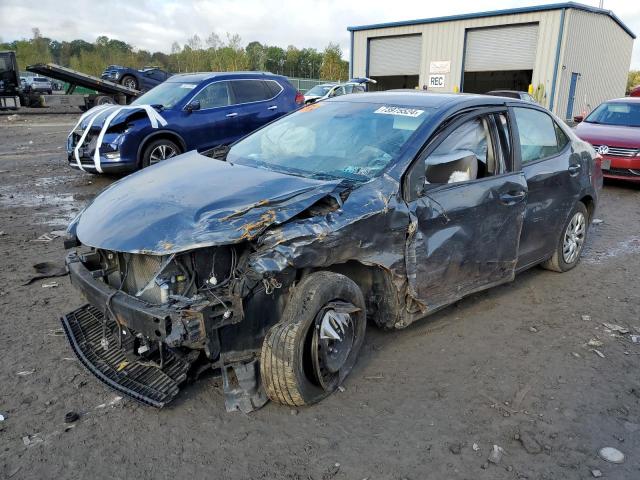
x: 622, y: 168
x: 122, y: 164
x: 173, y: 326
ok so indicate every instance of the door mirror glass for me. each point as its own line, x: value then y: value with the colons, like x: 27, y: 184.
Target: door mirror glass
x: 193, y: 105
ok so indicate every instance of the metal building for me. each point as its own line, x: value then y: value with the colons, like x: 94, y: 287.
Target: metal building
x: 572, y: 56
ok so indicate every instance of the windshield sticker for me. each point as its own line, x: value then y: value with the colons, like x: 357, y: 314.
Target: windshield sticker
x: 405, y: 112
x: 190, y: 86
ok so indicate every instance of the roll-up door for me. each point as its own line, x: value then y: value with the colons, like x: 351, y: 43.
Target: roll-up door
x: 395, y: 55
x: 501, y: 48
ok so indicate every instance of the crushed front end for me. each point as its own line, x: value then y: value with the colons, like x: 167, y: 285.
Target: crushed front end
x: 154, y: 321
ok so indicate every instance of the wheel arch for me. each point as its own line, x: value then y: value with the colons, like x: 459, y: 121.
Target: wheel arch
x: 157, y: 135
x: 590, y: 203
x: 382, y: 297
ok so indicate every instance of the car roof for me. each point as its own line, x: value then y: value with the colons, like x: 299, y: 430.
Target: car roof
x: 202, y: 76
x: 506, y: 91
x: 419, y: 98
x: 624, y: 100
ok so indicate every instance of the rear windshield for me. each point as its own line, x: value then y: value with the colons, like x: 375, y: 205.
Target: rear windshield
x: 625, y: 114
x: 354, y: 141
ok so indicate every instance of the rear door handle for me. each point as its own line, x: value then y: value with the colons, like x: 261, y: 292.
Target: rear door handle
x: 234, y: 114
x: 574, y: 169
x: 511, y: 198
x: 273, y: 107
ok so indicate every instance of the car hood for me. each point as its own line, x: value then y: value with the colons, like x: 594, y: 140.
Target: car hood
x: 193, y: 201
x: 97, y: 116
x: 610, y: 135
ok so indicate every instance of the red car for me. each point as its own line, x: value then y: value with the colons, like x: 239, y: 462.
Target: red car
x: 635, y: 92
x: 614, y: 131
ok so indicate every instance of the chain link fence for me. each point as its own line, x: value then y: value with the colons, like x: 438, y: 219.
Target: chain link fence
x: 304, y: 84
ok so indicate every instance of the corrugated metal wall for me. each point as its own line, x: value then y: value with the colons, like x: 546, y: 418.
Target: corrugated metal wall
x: 600, y: 51
x: 445, y: 41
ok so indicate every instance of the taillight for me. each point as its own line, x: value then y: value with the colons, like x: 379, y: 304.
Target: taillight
x: 299, y: 98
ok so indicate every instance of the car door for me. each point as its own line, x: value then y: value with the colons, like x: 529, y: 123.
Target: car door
x: 552, y: 172
x: 255, y: 105
x: 213, y: 122
x: 467, y: 212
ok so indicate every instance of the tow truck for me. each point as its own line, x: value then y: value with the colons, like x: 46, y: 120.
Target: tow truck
x: 13, y: 96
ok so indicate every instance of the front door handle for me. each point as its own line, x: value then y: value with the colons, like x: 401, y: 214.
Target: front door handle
x: 511, y: 198
x: 574, y: 169
x: 230, y: 115
x: 273, y: 107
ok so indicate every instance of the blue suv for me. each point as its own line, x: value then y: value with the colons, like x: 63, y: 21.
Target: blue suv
x: 197, y: 111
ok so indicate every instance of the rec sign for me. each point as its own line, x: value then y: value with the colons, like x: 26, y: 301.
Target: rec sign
x: 436, y: 81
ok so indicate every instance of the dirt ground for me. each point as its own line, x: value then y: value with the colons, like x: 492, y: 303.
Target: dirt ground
x: 509, y: 367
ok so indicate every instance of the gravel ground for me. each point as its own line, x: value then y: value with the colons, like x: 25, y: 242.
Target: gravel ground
x: 510, y: 367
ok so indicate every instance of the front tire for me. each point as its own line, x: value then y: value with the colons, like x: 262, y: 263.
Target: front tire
x: 159, y: 150
x: 310, y: 352
x: 571, y: 241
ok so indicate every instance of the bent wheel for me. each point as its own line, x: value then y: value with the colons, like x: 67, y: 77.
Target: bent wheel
x: 310, y: 352
x: 571, y: 241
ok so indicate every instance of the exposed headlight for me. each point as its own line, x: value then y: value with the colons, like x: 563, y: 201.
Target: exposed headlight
x: 116, y: 75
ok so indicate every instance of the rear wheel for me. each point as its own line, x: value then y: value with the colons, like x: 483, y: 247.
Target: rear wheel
x: 129, y: 82
x: 310, y: 352
x: 571, y: 241
x: 159, y: 150
x: 103, y: 100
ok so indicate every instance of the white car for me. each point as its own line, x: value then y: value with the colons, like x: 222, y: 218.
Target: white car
x: 334, y: 91
x: 318, y: 92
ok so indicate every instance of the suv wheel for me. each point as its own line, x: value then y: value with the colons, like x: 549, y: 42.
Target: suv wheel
x: 129, y: 82
x: 571, y: 241
x: 310, y: 352
x: 159, y: 150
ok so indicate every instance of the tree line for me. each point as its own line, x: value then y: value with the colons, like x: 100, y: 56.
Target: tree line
x: 196, y: 55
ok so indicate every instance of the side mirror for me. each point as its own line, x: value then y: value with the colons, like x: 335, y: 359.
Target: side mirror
x: 192, y: 106
x: 578, y: 118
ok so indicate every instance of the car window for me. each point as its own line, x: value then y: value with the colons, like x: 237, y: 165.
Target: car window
x: 538, y: 135
x: 465, y: 154
x: 337, y: 92
x: 273, y: 88
x: 358, y: 89
x: 348, y: 88
x: 214, y: 95
x: 246, y: 91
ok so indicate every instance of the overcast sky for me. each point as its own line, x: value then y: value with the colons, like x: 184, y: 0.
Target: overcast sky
x: 155, y: 25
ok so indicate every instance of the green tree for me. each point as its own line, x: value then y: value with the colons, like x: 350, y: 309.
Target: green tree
x: 633, y: 80
x: 333, y: 67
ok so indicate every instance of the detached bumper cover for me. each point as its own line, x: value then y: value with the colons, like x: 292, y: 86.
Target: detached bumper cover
x: 98, y: 350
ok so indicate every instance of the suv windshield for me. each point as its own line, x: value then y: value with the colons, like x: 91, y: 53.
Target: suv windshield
x: 320, y: 90
x: 334, y: 139
x: 166, y: 94
x: 625, y: 114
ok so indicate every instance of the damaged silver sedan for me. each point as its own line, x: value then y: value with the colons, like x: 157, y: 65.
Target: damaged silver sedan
x: 264, y: 261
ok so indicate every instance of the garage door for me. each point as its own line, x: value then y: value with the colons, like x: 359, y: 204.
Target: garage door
x: 395, y: 55
x: 501, y: 48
